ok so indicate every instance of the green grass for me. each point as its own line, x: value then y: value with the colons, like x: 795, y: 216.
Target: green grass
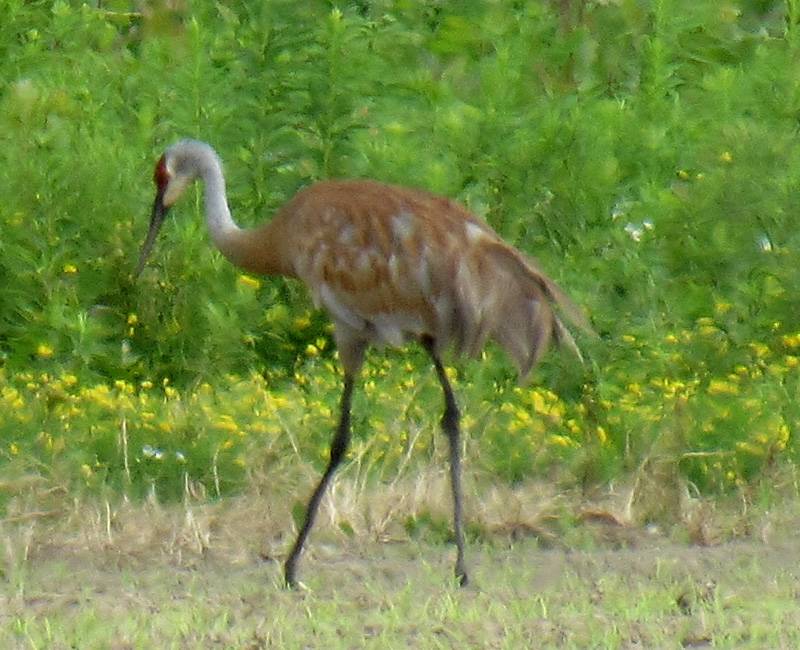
x: 728, y: 598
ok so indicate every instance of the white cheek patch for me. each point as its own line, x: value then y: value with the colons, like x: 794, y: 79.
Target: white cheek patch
x: 175, y: 187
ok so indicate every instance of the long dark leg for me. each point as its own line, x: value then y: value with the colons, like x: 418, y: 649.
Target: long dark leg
x: 450, y: 420
x: 338, y: 448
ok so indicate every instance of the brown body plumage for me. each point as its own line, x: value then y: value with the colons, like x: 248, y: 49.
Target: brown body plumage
x: 388, y: 264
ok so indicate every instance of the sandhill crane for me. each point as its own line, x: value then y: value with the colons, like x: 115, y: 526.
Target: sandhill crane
x: 389, y: 264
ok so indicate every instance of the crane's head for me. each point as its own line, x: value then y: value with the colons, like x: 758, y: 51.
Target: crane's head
x: 174, y: 172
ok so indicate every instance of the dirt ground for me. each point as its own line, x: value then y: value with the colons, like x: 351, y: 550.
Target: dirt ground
x: 209, y: 575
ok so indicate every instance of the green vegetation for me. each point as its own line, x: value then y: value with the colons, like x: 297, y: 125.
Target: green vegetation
x: 158, y: 435
x: 645, y: 152
x: 528, y: 598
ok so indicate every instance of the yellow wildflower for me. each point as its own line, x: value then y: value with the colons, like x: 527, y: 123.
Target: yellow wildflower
x: 99, y: 394
x: 12, y: 397
x: 302, y: 322
x: 750, y: 448
x: 537, y: 399
x: 70, y: 269
x: 759, y: 349
x: 791, y: 340
x: 783, y: 436
x: 522, y: 416
x: 278, y: 401
x: 44, y: 351
x: 726, y: 157
x: 721, y: 387
x: 226, y: 423
x: 561, y: 441
x: 249, y: 282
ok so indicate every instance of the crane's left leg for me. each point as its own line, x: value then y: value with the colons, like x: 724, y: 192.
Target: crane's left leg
x: 338, y: 449
x: 450, y: 426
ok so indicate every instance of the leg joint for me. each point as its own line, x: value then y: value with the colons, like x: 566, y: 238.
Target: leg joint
x: 450, y: 418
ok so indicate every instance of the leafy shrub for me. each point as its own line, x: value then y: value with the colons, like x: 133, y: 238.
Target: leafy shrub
x: 644, y: 152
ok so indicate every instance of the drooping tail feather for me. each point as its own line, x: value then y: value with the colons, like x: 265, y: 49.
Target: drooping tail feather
x: 517, y: 305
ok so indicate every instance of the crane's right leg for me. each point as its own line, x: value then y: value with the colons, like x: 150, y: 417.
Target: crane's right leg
x: 450, y: 426
x: 338, y: 449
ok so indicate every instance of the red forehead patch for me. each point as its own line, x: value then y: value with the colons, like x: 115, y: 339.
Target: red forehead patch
x: 161, y: 175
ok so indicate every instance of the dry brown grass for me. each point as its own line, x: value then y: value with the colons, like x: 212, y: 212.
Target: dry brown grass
x: 553, y: 567
x: 42, y: 518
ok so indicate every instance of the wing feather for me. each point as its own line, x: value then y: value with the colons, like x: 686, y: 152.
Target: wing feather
x: 390, y: 263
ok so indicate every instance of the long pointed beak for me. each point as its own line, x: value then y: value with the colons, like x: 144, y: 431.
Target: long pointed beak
x: 156, y: 219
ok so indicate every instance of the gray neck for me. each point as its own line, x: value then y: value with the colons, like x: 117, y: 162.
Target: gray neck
x: 199, y: 160
x: 218, y: 216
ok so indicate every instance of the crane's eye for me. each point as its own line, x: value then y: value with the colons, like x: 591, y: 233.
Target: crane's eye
x: 161, y: 174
